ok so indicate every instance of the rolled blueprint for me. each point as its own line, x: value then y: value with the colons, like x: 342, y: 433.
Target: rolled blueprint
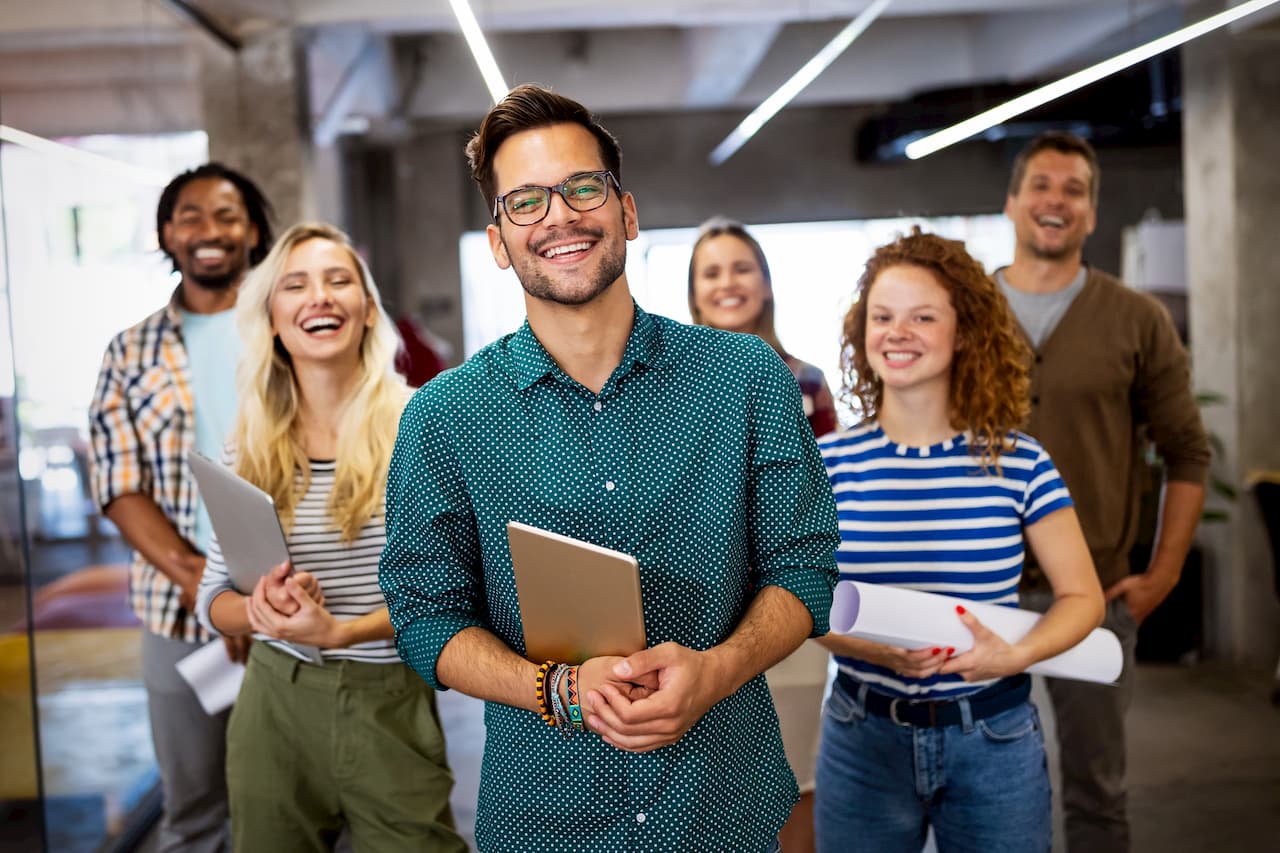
x: 910, y: 619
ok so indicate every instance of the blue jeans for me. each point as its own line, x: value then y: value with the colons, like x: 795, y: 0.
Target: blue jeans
x: 982, y: 784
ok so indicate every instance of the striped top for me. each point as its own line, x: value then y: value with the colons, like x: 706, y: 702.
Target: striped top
x: 142, y: 425
x: 931, y: 519
x: 347, y: 572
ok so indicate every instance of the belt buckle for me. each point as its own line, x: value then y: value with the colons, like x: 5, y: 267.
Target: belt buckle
x: 931, y: 705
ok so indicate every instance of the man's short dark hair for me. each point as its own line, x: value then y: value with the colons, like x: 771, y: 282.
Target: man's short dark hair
x: 527, y: 107
x: 1064, y: 143
x: 255, y: 204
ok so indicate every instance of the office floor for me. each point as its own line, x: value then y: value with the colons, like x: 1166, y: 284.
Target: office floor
x: 1204, y: 758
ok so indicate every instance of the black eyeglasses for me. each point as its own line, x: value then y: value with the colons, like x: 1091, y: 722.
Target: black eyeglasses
x: 582, y: 192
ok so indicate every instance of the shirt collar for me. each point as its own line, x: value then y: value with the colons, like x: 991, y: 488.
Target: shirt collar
x: 174, y: 309
x: 532, y: 361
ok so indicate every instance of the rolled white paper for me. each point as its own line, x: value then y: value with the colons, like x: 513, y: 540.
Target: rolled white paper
x: 213, y: 676
x: 910, y: 619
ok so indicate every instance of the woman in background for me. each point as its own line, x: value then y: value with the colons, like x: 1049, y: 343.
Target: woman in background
x: 730, y: 288
x: 936, y: 490
x: 355, y: 740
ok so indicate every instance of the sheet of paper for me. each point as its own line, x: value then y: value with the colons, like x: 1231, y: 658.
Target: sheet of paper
x: 212, y: 675
x: 910, y: 619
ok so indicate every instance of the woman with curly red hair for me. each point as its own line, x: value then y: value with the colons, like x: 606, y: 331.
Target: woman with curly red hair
x: 937, y: 491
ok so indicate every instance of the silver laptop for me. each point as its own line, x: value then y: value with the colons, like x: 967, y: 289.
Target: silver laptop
x: 249, y: 533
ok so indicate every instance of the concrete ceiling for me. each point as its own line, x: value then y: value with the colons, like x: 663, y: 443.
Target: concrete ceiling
x: 84, y: 66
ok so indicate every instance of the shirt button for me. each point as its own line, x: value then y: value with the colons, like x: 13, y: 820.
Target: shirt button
x: 609, y: 486
x: 597, y: 406
x: 640, y: 817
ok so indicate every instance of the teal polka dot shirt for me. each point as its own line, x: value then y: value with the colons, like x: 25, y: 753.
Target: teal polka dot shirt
x: 695, y: 457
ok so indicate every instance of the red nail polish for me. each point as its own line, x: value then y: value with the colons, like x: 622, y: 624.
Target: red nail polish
x: 936, y: 651
x: 950, y: 651
x: 959, y: 609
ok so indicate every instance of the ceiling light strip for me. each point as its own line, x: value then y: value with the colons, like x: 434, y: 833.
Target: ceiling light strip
x: 480, y: 49
x: 802, y: 78
x: 998, y: 115
x: 97, y: 162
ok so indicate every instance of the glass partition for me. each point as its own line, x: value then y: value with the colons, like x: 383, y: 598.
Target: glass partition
x: 83, y: 265
x: 21, y: 811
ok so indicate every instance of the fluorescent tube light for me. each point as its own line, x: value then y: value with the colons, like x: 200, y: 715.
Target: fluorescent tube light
x: 998, y: 115
x: 141, y: 175
x: 788, y: 90
x: 480, y: 49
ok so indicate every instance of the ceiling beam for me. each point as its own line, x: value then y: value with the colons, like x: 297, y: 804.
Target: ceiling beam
x: 206, y: 23
x: 525, y: 15
x: 722, y: 59
x: 367, y: 73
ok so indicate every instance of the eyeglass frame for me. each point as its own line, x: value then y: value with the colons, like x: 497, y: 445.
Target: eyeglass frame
x: 500, y: 202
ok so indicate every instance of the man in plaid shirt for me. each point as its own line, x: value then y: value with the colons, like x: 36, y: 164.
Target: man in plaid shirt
x: 213, y: 224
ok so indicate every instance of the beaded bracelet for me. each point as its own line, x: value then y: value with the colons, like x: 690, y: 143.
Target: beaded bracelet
x: 540, y: 690
x: 575, y: 710
x: 557, y: 704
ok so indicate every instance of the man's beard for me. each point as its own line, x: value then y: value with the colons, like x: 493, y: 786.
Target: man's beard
x: 222, y: 281
x: 537, y: 284
x: 1056, y: 253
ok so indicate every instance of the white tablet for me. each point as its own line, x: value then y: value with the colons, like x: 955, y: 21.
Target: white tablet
x: 577, y: 600
x: 249, y: 533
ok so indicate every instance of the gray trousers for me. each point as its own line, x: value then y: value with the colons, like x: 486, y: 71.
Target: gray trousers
x: 1091, y: 743
x: 191, y: 753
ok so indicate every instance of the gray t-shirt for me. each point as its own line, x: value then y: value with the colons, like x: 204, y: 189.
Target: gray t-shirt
x: 1039, y: 313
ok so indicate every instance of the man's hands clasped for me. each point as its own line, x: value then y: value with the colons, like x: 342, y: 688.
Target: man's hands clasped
x: 648, y: 700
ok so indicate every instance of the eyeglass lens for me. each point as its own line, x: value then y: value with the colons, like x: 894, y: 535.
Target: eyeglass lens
x: 581, y: 192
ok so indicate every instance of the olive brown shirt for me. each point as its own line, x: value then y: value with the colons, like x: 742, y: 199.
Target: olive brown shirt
x: 1111, y: 375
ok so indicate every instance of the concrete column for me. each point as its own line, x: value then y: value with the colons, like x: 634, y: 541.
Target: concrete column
x: 1231, y: 124
x: 255, y: 105
x: 433, y: 195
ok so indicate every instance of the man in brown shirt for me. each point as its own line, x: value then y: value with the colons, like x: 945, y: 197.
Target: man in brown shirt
x: 1109, y: 373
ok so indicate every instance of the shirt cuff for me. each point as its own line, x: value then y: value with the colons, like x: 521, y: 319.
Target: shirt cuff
x: 205, y: 594
x: 1187, y: 472
x: 422, y: 640
x: 814, y: 587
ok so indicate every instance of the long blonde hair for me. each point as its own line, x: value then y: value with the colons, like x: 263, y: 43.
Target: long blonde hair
x: 268, y: 451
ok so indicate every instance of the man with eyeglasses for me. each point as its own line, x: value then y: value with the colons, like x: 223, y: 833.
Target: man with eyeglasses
x: 682, y: 445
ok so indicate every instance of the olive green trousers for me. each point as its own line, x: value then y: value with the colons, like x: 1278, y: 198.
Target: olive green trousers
x: 310, y: 748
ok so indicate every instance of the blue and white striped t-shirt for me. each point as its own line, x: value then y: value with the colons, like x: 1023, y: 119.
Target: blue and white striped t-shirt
x: 930, y: 518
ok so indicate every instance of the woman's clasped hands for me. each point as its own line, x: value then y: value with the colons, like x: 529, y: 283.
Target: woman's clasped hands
x: 289, y: 605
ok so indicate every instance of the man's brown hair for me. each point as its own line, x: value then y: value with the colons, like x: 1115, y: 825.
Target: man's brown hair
x: 527, y: 107
x: 1064, y: 143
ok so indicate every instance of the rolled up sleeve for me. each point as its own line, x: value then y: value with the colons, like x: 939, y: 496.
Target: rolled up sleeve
x: 793, y: 527
x: 430, y: 570
x: 113, y: 437
x: 1167, y: 405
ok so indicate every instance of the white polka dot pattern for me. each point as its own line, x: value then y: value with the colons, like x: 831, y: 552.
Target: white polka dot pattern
x: 696, y: 458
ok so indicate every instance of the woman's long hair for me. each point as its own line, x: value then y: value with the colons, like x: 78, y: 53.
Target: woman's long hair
x: 989, y: 375
x: 268, y: 451
x: 718, y: 226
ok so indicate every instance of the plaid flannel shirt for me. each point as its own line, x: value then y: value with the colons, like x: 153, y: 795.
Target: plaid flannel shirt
x: 142, y: 425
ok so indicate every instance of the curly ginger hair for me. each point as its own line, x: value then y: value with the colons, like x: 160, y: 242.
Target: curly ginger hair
x: 988, y: 392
